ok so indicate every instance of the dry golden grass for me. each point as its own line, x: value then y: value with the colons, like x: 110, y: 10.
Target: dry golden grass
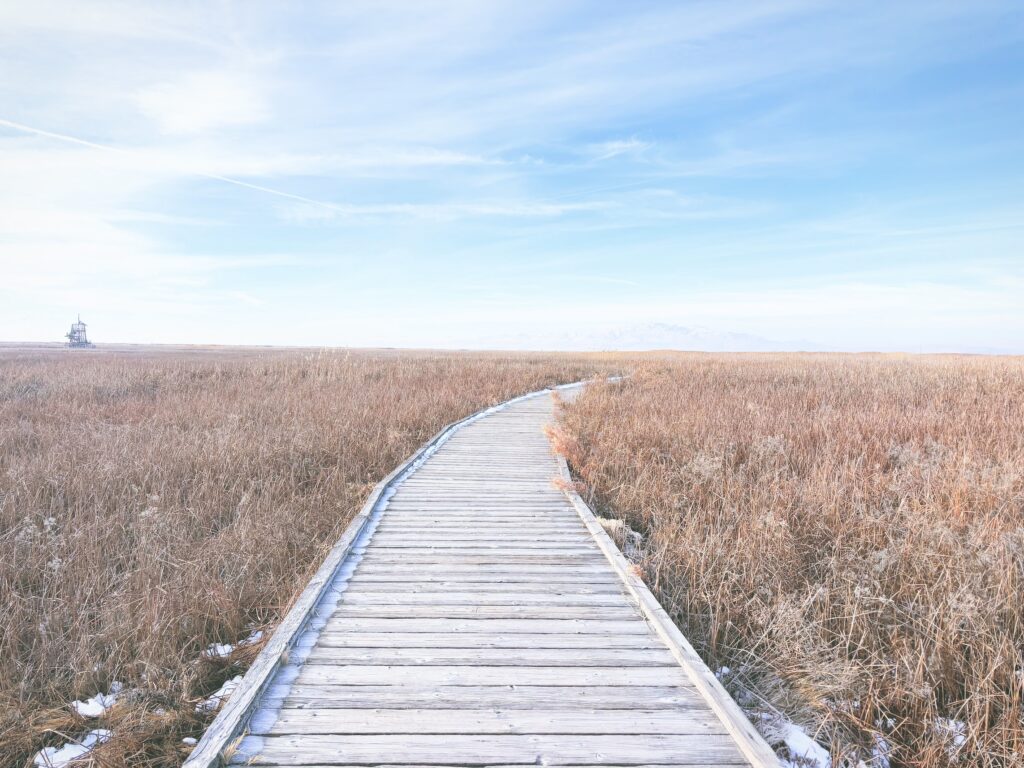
x: 846, y: 533
x: 153, y: 503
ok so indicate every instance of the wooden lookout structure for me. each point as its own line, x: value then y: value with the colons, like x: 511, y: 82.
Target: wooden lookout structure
x: 77, y: 337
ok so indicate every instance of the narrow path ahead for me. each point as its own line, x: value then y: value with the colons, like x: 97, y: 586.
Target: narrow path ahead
x: 477, y: 621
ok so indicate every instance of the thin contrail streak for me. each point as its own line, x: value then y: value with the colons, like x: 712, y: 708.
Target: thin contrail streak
x: 213, y: 176
x: 345, y: 209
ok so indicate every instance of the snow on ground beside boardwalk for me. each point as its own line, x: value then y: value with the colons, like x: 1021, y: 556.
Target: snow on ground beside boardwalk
x: 58, y: 757
x: 803, y: 749
x: 98, y: 704
x: 223, y: 650
x: 213, y: 702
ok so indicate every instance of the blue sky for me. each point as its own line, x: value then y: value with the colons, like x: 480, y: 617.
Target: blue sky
x: 846, y: 175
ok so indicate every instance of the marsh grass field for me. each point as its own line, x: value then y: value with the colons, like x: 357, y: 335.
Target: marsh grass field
x: 844, y: 533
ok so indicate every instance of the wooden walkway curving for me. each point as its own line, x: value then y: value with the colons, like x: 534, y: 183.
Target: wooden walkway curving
x: 482, y: 617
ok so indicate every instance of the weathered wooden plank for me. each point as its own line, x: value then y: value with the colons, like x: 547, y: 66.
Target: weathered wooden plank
x: 489, y: 765
x: 454, y: 531
x: 495, y: 578
x: 508, y: 515
x: 482, y: 520
x: 449, y: 495
x: 466, y: 473
x: 511, y: 520
x: 471, y: 697
x: 513, y: 525
x: 536, y: 586
x: 483, y: 640
x: 493, y: 657
x: 441, y: 589
x: 399, y: 503
x: 355, y: 596
x: 453, y: 504
x: 462, y: 451
x: 482, y: 539
x: 457, y: 721
x: 476, y: 503
x: 507, y: 562
x: 550, y: 502
x: 486, y: 541
x: 483, y: 486
x: 499, y: 520
x: 486, y: 545
x: 356, y: 674
x: 345, y: 611
x: 481, y: 555
x: 461, y: 478
x: 496, y: 626
x: 557, y: 571
x: 523, y: 749
x: 512, y: 533
x: 533, y: 577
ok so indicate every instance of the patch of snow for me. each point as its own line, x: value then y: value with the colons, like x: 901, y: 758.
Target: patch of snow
x: 98, y: 704
x: 189, y: 740
x: 880, y: 752
x: 220, y: 650
x: 212, y: 702
x: 722, y: 672
x: 58, y: 757
x: 955, y: 733
x: 803, y: 749
x: 254, y: 638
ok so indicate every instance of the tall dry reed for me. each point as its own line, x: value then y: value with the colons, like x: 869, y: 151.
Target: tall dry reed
x: 845, y: 533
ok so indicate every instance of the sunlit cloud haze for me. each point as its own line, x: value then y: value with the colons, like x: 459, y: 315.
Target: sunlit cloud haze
x: 818, y: 175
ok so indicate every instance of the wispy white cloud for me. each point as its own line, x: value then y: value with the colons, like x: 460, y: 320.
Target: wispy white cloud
x: 441, y: 211
x: 606, y: 150
x: 198, y: 102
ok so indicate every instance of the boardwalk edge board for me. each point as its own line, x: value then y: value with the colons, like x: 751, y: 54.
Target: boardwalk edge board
x: 750, y: 742
x: 227, y: 729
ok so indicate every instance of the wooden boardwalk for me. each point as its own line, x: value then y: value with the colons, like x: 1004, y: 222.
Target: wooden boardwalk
x: 481, y: 617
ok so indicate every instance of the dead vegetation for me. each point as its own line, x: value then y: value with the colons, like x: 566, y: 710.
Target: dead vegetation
x: 845, y: 533
x: 152, y: 504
